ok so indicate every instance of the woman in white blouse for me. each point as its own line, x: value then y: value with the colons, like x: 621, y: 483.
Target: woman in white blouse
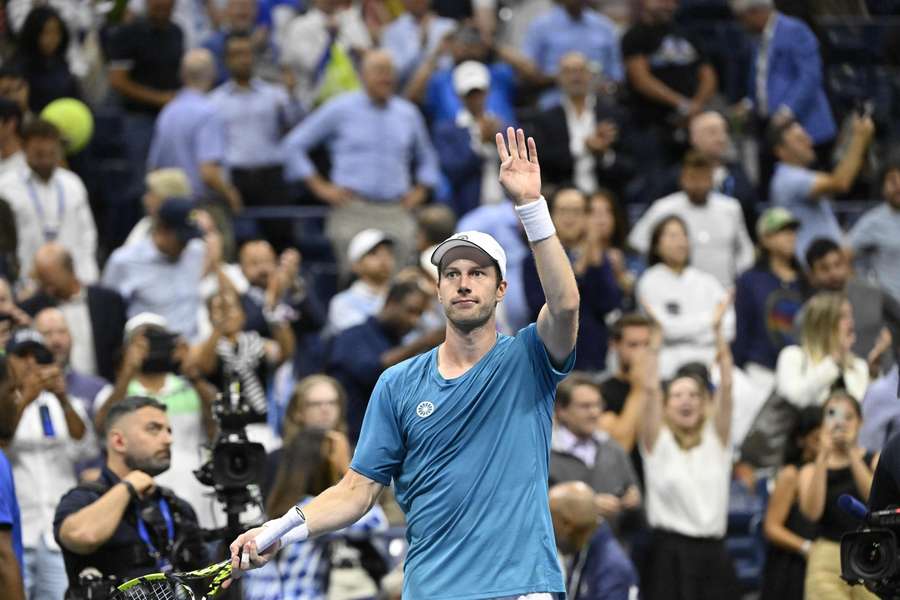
x: 685, y: 301
x: 685, y: 443
x: 805, y: 374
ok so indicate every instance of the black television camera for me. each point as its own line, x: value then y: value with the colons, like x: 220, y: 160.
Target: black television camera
x: 236, y: 464
x: 871, y: 556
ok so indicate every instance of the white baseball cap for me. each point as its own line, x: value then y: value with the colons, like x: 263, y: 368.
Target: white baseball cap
x: 141, y: 319
x: 472, y: 239
x: 471, y: 75
x: 364, y: 242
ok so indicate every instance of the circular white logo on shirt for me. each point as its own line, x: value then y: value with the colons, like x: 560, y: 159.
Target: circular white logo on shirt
x: 424, y: 409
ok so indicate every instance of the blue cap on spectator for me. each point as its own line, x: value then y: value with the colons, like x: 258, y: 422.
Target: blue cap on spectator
x: 177, y: 214
x: 24, y: 340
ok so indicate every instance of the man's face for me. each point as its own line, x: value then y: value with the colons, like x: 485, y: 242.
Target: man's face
x: 574, y: 75
x: 239, y: 58
x: 891, y: 188
x: 55, y: 279
x: 377, y: 265
x: 145, y: 440
x: 15, y: 89
x: 160, y: 10
x: 709, y: 136
x: 379, y: 77
x: 474, y: 102
x: 796, y: 146
x: 404, y: 315
x: 660, y: 11
x: 258, y: 262
x: 168, y: 243
x: 697, y: 183
x: 782, y: 243
x: 51, y: 324
x: 831, y: 272
x: 43, y: 155
x: 634, y: 340
x: 7, y: 130
x: 241, y: 14
x: 569, y: 216
x: 468, y: 288
x: 583, y: 412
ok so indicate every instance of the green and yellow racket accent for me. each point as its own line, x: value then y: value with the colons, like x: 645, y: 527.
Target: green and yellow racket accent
x: 191, y: 585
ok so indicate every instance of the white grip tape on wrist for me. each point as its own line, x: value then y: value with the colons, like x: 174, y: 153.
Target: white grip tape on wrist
x: 535, y: 217
x: 277, y: 528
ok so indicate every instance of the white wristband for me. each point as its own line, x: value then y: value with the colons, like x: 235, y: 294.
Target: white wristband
x: 279, y: 527
x: 535, y: 217
x: 297, y: 534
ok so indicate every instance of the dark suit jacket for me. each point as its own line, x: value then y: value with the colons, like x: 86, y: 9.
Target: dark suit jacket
x: 551, y: 133
x: 107, y: 311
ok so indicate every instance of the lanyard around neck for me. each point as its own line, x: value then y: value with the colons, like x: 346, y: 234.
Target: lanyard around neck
x: 162, y: 562
x: 50, y: 233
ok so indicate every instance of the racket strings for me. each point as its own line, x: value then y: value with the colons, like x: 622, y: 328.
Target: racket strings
x: 156, y: 590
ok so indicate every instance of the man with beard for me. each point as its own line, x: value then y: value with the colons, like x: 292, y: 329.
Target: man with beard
x: 463, y: 431
x: 124, y: 525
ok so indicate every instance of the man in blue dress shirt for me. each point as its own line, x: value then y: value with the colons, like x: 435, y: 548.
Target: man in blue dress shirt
x: 463, y: 431
x: 382, y: 162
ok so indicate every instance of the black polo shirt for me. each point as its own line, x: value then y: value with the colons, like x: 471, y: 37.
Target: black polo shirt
x: 152, y: 54
x: 125, y: 554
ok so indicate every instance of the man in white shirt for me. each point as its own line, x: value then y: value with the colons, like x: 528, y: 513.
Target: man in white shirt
x: 720, y: 244
x: 47, y: 435
x: 50, y: 203
x: 310, y: 37
x: 371, y: 254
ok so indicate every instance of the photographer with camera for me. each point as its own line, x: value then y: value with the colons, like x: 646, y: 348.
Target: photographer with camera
x: 125, y: 524
x: 45, y: 434
x: 155, y: 365
x: 841, y: 467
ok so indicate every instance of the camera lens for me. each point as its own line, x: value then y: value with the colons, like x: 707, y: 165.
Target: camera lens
x: 871, y: 560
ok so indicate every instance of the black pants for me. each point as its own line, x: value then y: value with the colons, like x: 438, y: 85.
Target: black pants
x: 680, y: 567
x: 265, y: 186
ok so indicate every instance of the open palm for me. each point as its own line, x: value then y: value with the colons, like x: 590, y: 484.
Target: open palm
x: 520, y: 173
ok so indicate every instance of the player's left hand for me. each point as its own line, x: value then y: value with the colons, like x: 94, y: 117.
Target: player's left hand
x: 520, y: 173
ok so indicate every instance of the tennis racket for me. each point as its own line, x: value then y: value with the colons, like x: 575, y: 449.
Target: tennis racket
x: 206, y: 582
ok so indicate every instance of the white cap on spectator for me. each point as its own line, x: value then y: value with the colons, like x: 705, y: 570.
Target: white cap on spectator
x: 364, y: 242
x: 739, y: 6
x: 142, y: 319
x: 425, y: 262
x: 472, y: 239
x: 471, y: 75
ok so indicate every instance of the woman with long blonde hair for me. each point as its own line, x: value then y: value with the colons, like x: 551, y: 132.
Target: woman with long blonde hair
x: 806, y: 373
x: 318, y: 402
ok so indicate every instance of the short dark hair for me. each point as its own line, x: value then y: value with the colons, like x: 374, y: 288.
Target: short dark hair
x: 129, y: 405
x: 567, y: 386
x: 629, y: 320
x: 693, y: 159
x: 39, y: 128
x: 10, y: 110
x: 437, y: 222
x: 653, y: 256
x: 399, y: 290
x: 776, y: 131
x: 818, y: 249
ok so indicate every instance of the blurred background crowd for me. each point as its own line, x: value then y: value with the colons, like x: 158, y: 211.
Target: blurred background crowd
x: 193, y: 191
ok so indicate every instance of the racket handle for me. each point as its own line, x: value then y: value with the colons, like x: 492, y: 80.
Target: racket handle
x: 278, y: 527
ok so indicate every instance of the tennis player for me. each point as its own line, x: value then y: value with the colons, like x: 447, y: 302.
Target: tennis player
x: 464, y: 430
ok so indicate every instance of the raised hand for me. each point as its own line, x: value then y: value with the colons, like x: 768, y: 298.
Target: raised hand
x: 520, y: 173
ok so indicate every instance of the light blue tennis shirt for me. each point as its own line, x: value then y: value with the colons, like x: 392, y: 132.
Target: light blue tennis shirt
x: 469, y: 459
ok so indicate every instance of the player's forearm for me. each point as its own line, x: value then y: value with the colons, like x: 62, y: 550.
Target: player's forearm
x: 341, y: 505
x: 556, y: 276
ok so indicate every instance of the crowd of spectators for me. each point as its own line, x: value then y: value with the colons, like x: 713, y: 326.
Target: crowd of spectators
x: 267, y: 180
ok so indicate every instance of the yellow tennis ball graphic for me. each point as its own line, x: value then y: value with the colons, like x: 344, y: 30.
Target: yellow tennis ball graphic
x: 73, y: 119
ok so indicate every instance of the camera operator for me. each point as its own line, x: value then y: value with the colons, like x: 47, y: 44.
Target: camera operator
x: 124, y: 524
x: 155, y: 366
x: 45, y: 434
